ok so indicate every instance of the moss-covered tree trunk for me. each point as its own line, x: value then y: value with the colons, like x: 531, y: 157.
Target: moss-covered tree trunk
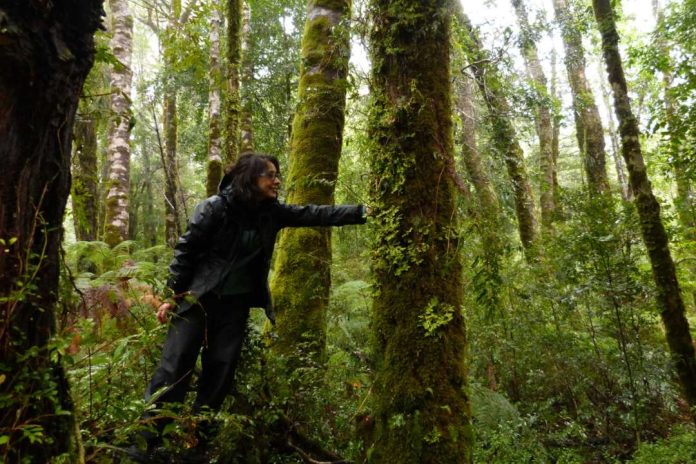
x: 488, y: 215
x: 46, y: 51
x: 85, y: 178
x: 170, y: 165
x: 172, y: 221
x: 505, y: 137
x: 668, y: 292
x: 116, y: 221
x: 588, y: 125
x: 544, y: 108
x: 302, y: 279
x: 232, y: 109
x: 421, y: 409
x: 215, y: 81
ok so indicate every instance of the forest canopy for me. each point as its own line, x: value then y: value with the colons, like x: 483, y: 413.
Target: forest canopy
x: 524, y: 289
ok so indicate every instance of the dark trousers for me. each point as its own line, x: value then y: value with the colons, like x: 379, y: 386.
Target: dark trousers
x: 216, y: 324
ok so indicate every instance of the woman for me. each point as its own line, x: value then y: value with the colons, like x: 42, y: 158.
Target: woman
x: 220, y: 270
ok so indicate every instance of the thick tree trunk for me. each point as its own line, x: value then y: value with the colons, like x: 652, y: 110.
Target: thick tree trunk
x: 421, y: 409
x: 588, y: 125
x: 668, y: 292
x: 543, y: 116
x: 116, y: 227
x: 85, y: 179
x: 302, y: 279
x: 233, y: 103
x: 215, y: 81
x: 506, y: 143
x: 46, y: 51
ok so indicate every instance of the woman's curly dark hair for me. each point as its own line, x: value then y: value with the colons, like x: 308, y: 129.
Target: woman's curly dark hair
x: 244, y: 173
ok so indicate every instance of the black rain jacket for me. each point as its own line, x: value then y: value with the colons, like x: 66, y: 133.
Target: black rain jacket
x: 210, y: 245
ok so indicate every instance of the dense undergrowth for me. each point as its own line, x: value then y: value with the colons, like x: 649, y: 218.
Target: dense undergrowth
x: 568, y: 361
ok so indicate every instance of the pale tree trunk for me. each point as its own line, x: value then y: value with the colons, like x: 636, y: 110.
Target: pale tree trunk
x: 233, y: 103
x: 588, y: 125
x: 85, y: 178
x: 421, y: 409
x: 302, y: 279
x: 215, y: 81
x: 505, y: 137
x: 686, y: 210
x: 246, y: 124
x: 626, y: 194
x: 116, y: 227
x: 683, y: 202
x: 543, y: 116
x: 37, y: 111
x: 669, y: 296
x: 556, y: 132
x: 488, y: 216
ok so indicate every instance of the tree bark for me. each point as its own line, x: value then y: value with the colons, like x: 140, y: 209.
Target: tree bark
x: 302, y: 279
x: 215, y: 81
x: 626, y: 194
x: 505, y: 139
x: 232, y: 98
x: 543, y: 116
x: 588, y: 125
x: 85, y: 179
x: 246, y: 124
x: 116, y: 226
x: 46, y: 51
x: 669, y: 297
x: 421, y: 409
x: 172, y: 220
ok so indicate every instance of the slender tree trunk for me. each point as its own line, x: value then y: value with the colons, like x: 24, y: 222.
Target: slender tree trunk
x: 47, y: 50
x: 588, y: 125
x: 170, y: 164
x: 471, y: 158
x: 302, y: 279
x: 420, y: 405
x: 172, y: 221
x: 149, y: 217
x: 85, y: 178
x: 215, y: 82
x: 116, y: 229
x: 543, y: 116
x: 232, y: 98
x: 555, y: 140
x: 489, y: 216
x: 506, y: 142
x: 616, y: 146
x: 246, y: 123
x: 668, y: 292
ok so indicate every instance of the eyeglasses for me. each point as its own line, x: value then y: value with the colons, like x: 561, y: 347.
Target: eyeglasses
x: 271, y: 175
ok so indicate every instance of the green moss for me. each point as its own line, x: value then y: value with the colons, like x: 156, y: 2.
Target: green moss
x: 301, y: 281
x: 213, y: 176
x: 421, y: 411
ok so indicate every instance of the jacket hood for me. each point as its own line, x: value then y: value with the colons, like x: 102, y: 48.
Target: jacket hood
x: 225, y: 187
